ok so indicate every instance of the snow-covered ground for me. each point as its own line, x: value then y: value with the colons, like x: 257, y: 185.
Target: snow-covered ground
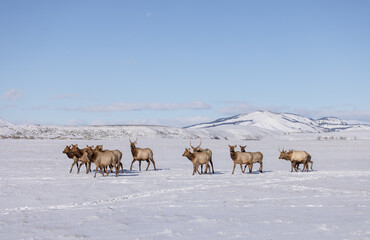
x: 40, y: 199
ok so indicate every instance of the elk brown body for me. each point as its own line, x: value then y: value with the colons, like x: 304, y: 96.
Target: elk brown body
x: 117, y: 153
x: 141, y: 154
x: 206, y: 150
x: 296, y: 158
x: 257, y: 158
x: 82, y: 157
x: 240, y: 158
x: 102, y: 159
x: 197, y: 158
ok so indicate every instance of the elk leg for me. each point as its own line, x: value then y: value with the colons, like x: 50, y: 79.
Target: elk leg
x: 72, y: 166
x: 152, y: 160
x: 117, y: 166
x: 209, y: 168
x: 250, y: 167
x: 121, y: 167
x: 241, y: 167
x: 110, y: 169
x: 193, y: 169
x: 96, y: 171
x: 101, y: 170
x: 87, y: 167
x: 311, y: 164
x: 197, y: 167
x: 140, y: 165
x: 261, y: 164
x: 132, y: 163
x: 213, y: 171
x: 117, y: 169
x: 148, y: 165
x: 234, y: 168
x: 78, y: 169
x: 201, y: 168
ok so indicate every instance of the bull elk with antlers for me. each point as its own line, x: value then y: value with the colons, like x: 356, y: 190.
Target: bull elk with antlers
x: 198, y: 158
x: 296, y: 158
x: 141, y: 154
x: 206, y: 150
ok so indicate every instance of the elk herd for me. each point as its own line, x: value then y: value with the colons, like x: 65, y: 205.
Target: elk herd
x: 104, y: 159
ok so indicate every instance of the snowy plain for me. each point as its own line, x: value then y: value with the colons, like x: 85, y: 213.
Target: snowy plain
x: 40, y: 199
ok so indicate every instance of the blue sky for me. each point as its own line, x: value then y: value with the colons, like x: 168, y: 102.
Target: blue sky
x: 182, y: 62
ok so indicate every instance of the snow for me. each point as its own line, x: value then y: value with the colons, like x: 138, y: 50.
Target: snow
x: 255, y: 125
x: 40, y: 199
x: 262, y: 123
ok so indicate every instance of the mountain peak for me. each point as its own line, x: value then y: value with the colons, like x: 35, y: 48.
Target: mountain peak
x: 266, y: 121
x: 4, y: 123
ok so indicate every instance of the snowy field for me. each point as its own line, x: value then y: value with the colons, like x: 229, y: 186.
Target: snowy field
x: 40, y: 199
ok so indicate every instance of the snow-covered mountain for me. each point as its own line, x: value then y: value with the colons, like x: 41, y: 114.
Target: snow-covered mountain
x: 260, y: 123
x: 244, y: 126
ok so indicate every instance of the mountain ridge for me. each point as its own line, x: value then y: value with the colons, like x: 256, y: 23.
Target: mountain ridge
x: 254, y: 125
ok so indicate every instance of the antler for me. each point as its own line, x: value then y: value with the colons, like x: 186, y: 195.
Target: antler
x: 197, y: 146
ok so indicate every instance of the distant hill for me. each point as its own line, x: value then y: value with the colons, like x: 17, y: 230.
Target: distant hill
x: 253, y: 125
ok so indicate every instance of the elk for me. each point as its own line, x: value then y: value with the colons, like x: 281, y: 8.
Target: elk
x: 102, y: 159
x: 68, y: 152
x: 82, y: 157
x: 305, y: 166
x: 198, y: 158
x: 296, y: 158
x: 240, y: 158
x: 141, y: 154
x: 118, y: 155
x: 206, y: 150
x: 257, y: 157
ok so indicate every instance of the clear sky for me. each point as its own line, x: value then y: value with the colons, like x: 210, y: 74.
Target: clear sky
x: 182, y: 62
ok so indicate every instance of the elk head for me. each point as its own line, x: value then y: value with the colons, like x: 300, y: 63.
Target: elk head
x: 232, y: 148
x: 133, y: 144
x: 242, y: 148
x: 67, y: 149
x: 187, y: 154
x: 283, y: 154
x: 98, y: 147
